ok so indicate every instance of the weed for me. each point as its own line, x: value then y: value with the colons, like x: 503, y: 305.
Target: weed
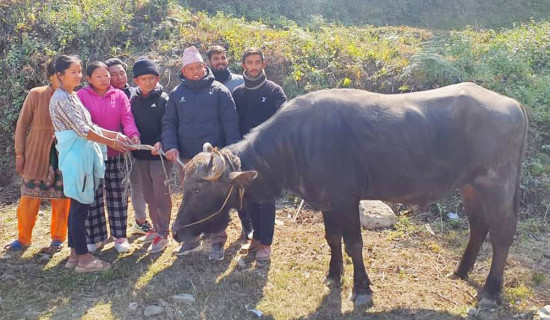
x: 539, y: 278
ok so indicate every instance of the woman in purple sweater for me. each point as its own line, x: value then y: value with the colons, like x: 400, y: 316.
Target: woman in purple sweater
x: 110, y: 109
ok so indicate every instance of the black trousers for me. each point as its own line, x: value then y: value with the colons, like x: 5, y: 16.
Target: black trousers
x: 262, y: 215
x: 78, y: 213
x: 246, y: 222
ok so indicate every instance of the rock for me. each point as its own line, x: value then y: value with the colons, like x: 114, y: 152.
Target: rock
x: 184, y: 297
x: 544, y: 313
x: 133, y: 306
x: 45, y: 257
x: 152, y: 311
x: 163, y: 303
x: 279, y: 222
x: 376, y: 214
x: 429, y: 229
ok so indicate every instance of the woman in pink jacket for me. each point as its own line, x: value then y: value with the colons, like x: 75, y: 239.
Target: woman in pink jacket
x: 110, y: 109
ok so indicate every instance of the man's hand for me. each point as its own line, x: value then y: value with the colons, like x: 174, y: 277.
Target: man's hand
x: 156, y: 148
x: 19, y: 164
x: 172, y: 154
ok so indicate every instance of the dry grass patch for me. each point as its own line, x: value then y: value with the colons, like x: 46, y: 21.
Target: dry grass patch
x: 408, y: 266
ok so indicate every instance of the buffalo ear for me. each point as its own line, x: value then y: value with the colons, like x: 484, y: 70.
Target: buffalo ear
x: 244, y: 179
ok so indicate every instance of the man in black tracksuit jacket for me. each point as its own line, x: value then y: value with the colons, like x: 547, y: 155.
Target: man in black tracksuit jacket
x: 257, y: 100
x: 148, y: 106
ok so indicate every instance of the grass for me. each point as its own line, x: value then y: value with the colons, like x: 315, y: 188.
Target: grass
x: 408, y: 270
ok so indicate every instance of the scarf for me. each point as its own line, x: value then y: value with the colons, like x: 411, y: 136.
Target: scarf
x: 254, y: 83
x: 221, y: 75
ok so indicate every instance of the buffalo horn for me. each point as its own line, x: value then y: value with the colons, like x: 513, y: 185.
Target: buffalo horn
x: 216, y: 166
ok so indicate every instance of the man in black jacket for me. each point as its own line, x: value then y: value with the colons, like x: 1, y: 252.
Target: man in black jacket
x: 257, y: 100
x: 148, y: 107
x: 199, y: 110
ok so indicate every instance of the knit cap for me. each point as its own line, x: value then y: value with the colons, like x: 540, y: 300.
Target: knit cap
x: 191, y: 55
x: 145, y: 65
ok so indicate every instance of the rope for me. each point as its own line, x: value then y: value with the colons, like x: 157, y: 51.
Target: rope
x: 215, y: 213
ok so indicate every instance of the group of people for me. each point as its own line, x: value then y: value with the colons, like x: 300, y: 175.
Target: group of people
x: 73, y: 147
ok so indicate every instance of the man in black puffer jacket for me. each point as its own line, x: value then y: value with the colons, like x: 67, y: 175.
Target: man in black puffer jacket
x: 199, y: 110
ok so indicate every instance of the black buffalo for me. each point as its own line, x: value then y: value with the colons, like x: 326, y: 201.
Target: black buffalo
x: 336, y: 147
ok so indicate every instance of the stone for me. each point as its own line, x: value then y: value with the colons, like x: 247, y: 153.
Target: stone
x: 376, y: 214
x: 45, y: 257
x: 184, y: 297
x: 152, y: 311
x: 544, y: 313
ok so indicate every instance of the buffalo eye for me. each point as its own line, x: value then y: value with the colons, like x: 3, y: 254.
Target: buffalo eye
x: 196, y: 190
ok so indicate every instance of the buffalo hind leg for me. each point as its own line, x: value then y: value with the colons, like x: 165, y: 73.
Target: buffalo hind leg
x: 333, y: 235
x: 499, y: 198
x: 502, y: 236
x: 351, y: 230
x: 478, y: 231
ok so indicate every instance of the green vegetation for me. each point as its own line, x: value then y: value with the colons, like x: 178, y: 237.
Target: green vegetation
x: 437, y: 14
x: 302, y: 56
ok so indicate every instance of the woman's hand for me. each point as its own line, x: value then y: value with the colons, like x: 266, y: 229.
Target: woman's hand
x: 121, y: 137
x: 156, y: 149
x: 120, y: 146
x: 19, y: 164
x: 135, y: 139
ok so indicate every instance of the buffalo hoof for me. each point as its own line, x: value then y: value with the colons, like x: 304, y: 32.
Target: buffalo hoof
x: 364, y: 299
x: 456, y: 276
x: 331, y: 282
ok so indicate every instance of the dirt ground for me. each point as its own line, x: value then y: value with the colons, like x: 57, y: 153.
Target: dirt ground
x: 408, y: 265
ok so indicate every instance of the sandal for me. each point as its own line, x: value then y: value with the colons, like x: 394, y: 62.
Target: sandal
x: 16, y: 245
x: 55, y: 246
x: 71, y: 264
x: 94, y: 266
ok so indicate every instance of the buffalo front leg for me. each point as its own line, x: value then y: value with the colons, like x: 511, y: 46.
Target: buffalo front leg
x: 333, y: 235
x: 351, y: 230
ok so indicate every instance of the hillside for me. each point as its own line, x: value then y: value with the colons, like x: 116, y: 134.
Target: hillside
x: 433, y: 14
x: 302, y: 57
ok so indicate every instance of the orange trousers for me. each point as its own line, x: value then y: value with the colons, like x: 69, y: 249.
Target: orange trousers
x: 27, y: 212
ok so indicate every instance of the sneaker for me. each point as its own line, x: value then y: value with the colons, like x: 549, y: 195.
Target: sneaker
x: 263, y: 253
x: 149, y: 237
x: 187, y: 248
x: 93, y: 247
x: 122, y: 245
x: 217, y: 252
x: 250, y: 246
x: 247, y: 234
x: 141, y: 228
x: 159, y: 244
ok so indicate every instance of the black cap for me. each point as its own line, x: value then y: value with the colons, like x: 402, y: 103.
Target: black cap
x: 145, y: 65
